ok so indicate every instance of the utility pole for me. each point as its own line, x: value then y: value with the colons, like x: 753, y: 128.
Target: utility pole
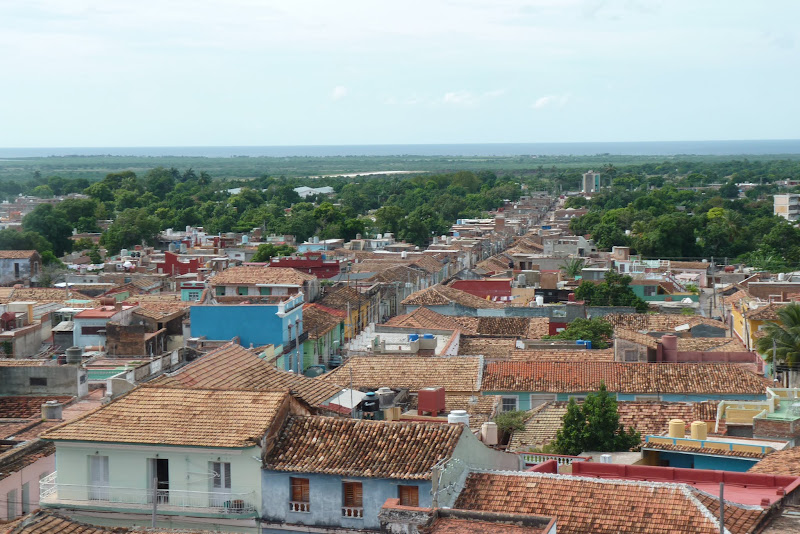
x: 155, y: 500
x: 721, y: 508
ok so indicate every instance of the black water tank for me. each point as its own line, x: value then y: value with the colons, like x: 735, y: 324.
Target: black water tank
x: 371, y: 403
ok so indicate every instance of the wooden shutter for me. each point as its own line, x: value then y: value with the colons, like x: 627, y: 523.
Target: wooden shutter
x: 409, y: 495
x: 300, y: 491
x: 352, y: 494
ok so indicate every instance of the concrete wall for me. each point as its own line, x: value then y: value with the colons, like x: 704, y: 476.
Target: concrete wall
x: 127, y: 467
x: 27, y: 341
x: 61, y: 380
x: 27, y: 269
x: 30, y: 475
x: 703, y: 461
x: 326, y: 498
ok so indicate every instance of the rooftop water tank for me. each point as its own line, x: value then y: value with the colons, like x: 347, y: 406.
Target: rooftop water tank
x: 370, y: 403
x: 539, y: 300
x: 427, y: 336
x: 413, y: 337
x: 74, y: 355
x: 677, y: 428
x: 458, y: 416
x: 51, y: 410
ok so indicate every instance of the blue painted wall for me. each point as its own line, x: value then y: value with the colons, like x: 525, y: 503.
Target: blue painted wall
x: 325, y: 499
x: 702, y: 461
x: 253, y: 323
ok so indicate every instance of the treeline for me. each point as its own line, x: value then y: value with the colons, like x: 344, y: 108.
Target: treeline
x: 414, y: 207
x: 678, y: 216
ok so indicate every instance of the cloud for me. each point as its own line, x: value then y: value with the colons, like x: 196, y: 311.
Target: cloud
x: 470, y: 99
x: 339, y: 92
x: 551, y: 101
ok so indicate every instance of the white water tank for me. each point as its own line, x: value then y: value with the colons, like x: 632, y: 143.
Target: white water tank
x: 458, y: 416
x: 51, y: 410
x: 539, y: 300
x: 605, y: 459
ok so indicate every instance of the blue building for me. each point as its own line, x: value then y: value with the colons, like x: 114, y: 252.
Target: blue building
x: 337, y: 473
x: 721, y: 454
x: 279, y: 322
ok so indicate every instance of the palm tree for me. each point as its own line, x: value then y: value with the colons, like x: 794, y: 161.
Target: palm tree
x: 782, y: 338
x: 573, y: 267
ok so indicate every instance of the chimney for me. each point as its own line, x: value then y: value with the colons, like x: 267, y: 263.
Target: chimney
x: 118, y: 306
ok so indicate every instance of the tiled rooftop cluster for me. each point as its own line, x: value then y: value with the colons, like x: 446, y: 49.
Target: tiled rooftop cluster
x: 250, y: 275
x: 440, y: 295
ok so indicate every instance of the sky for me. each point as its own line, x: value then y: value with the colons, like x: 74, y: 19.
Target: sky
x: 85, y: 73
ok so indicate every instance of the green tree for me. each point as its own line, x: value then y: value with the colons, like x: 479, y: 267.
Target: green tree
x: 613, y: 291
x: 267, y: 251
x: 132, y: 227
x: 52, y: 225
x: 14, y: 240
x: 594, y: 426
x: 508, y: 422
x: 388, y: 218
x: 573, y: 267
x: 42, y: 191
x: 597, y: 330
x: 783, y: 336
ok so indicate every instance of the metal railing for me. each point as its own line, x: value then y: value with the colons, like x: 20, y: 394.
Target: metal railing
x: 51, y: 492
x: 352, y: 511
x: 299, y: 506
x: 534, y: 458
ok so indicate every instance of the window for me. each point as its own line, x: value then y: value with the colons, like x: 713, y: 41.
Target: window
x: 220, y: 291
x: 11, y: 504
x: 650, y: 291
x: 647, y: 398
x: 93, y: 330
x: 16, y: 270
x: 242, y: 290
x: 221, y: 475
x: 193, y: 295
x: 537, y: 399
x: 300, y: 495
x: 265, y: 291
x: 37, y: 381
x: 509, y: 404
x: 408, y: 495
x: 352, y: 500
x: 26, y: 498
x: 577, y: 398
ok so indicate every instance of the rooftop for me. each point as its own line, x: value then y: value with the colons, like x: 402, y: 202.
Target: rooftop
x: 361, y: 448
x: 655, y: 378
x: 563, y: 355
x: 234, y: 367
x: 177, y: 416
x: 16, y: 254
x: 250, y: 275
x: 600, y: 506
x: 440, y: 295
x: 458, y: 373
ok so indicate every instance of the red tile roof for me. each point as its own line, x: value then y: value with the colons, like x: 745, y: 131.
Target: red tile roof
x: 623, y: 377
x: 440, y: 295
x: 19, y: 407
x: 585, y: 505
x: 16, y: 254
x: 361, y: 448
x: 249, y: 275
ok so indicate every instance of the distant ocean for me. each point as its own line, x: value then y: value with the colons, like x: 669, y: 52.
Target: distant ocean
x: 666, y: 148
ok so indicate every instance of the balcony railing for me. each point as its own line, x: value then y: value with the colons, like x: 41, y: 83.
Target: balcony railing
x: 54, y: 494
x: 352, y: 511
x: 534, y: 458
x: 298, y: 506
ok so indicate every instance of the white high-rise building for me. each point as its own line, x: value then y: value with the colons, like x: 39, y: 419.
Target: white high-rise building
x: 787, y: 206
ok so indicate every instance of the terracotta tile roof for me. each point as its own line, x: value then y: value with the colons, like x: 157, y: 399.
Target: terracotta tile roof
x: 689, y: 265
x: 633, y: 336
x: 583, y: 505
x: 765, y: 313
x: 738, y: 519
x: 440, y: 295
x: 562, y: 355
x: 711, y: 344
x: 623, y: 377
x: 160, y: 310
x: 250, y: 275
x: 541, y: 426
x: 428, y: 264
x: 736, y: 297
x: 490, y: 348
x: 318, y: 320
x: 44, y: 295
x: 481, y: 408
x: 426, y: 318
x: 495, y: 263
x: 701, y: 450
x: 519, y: 327
x: 20, y: 407
x: 234, y: 367
x: 652, y: 418
x: 452, y: 525
x: 457, y: 373
x: 784, y: 462
x: 16, y: 254
x: 178, y: 416
x: 339, y: 298
x: 400, y: 273
x: 17, y: 458
x: 361, y: 448
x: 658, y: 322
x: 45, y: 521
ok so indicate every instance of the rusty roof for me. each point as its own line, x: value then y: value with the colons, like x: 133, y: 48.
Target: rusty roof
x: 234, y: 367
x: 178, y: 416
x: 362, y: 448
x: 251, y: 275
x: 623, y: 377
x: 457, y: 373
x: 441, y: 295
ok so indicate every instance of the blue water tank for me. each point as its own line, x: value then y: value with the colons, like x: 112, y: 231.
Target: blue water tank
x: 413, y: 337
x: 588, y: 344
x: 580, y: 342
x: 427, y: 336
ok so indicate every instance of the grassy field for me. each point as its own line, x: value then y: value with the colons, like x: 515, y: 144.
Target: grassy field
x: 96, y: 167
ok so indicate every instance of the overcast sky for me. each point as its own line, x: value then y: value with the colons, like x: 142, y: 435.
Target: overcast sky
x: 256, y: 72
